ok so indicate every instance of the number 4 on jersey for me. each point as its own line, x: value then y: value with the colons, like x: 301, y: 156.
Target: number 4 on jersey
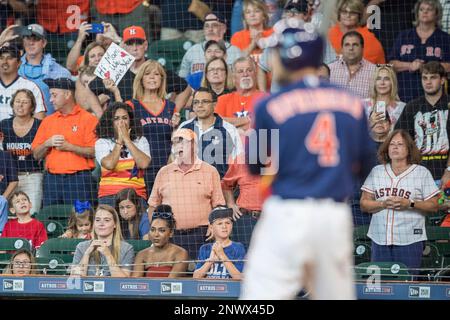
x: 322, y: 140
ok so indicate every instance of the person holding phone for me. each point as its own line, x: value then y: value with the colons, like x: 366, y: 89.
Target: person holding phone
x: 106, y: 254
x: 383, y: 96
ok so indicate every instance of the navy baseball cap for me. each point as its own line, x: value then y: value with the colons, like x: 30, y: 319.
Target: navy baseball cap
x: 11, y: 49
x: 298, y: 43
x: 220, y: 213
x: 61, y: 83
x: 298, y: 6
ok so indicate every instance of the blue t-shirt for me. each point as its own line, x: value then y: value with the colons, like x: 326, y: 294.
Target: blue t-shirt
x: 8, y: 170
x: 407, y: 48
x: 235, y: 251
x: 20, y: 147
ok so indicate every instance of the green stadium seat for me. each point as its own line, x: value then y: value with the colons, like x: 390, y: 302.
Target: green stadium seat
x: 431, y: 259
x: 54, y: 228
x: 139, y: 245
x: 172, y: 51
x: 51, y: 266
x: 59, y: 248
x: 58, y: 212
x: 360, y: 233
x: 362, y: 251
x: 435, y: 233
x: 388, y: 271
x: 8, y: 246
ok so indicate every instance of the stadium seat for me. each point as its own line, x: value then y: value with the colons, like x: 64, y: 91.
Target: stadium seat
x: 431, y: 260
x: 60, y: 248
x: 443, y: 275
x: 387, y: 271
x: 360, y: 233
x: 361, y: 252
x: 435, y: 233
x: 54, y: 228
x: 139, y: 245
x: 51, y: 266
x: 8, y: 246
x: 172, y: 51
x: 58, y: 212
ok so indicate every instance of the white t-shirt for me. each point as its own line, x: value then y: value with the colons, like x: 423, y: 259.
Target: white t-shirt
x: 103, y: 148
x: 6, y: 93
x: 404, y: 227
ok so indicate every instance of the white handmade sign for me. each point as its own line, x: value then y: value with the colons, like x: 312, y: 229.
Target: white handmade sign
x: 114, y: 64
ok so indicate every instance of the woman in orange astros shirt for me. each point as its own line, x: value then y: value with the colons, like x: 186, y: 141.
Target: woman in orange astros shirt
x: 350, y: 15
x: 256, y: 19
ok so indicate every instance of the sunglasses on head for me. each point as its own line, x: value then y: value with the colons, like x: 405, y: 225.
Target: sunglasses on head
x: 163, y: 215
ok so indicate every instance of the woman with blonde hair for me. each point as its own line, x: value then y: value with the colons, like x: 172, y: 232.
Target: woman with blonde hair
x: 384, y: 96
x: 350, y: 17
x: 106, y: 254
x: 154, y: 113
x: 256, y: 21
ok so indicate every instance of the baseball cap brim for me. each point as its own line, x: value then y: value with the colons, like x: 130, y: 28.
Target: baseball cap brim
x: 61, y: 83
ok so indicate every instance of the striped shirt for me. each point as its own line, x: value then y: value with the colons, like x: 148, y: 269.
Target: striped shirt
x: 359, y: 83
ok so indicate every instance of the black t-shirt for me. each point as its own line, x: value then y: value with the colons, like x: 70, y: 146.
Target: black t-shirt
x: 174, y: 84
x: 8, y: 170
x: 20, y: 147
x: 429, y: 126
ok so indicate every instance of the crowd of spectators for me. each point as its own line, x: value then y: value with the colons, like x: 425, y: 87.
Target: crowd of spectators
x: 160, y: 154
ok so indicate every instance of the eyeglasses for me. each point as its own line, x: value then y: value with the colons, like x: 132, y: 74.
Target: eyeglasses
x: 213, y: 70
x: 388, y: 65
x: 163, y: 215
x: 22, y: 264
x: 350, y: 13
x: 201, y: 102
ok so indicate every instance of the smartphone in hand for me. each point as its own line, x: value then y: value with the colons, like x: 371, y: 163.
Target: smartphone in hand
x: 381, y: 108
x: 97, y: 28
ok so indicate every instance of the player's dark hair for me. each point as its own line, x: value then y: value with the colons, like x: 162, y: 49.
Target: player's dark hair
x: 207, y: 90
x: 353, y: 34
x: 105, y: 127
x: 413, y: 153
x: 433, y: 67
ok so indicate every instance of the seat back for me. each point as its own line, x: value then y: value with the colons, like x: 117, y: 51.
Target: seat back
x: 386, y: 271
x: 51, y: 266
x: 54, y: 228
x: 59, y: 248
x: 362, y: 252
x: 58, y: 212
x: 360, y: 233
x: 139, y: 245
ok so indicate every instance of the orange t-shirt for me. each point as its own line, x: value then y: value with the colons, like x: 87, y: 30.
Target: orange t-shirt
x: 373, y: 50
x: 62, y: 15
x: 233, y: 105
x: 242, y: 40
x: 78, y: 128
x: 116, y: 6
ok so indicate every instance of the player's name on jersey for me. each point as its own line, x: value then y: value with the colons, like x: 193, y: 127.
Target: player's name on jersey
x: 437, y: 157
x: 305, y: 101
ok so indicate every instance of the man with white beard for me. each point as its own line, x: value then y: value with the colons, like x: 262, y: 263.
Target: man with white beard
x: 237, y: 107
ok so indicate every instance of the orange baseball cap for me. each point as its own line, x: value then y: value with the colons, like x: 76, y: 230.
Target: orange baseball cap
x: 133, y: 32
x: 184, y: 133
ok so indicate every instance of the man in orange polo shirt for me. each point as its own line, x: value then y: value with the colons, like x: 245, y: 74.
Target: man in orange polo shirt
x: 237, y: 107
x: 191, y: 187
x: 66, y: 141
